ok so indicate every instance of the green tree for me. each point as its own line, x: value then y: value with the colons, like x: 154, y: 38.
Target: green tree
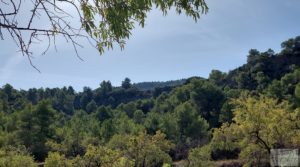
x: 125, y: 125
x: 226, y: 113
x: 169, y: 126
x: 63, y: 101
x: 260, y: 124
x: 106, y: 86
x: 54, y: 159
x: 262, y: 81
x: 106, y: 157
x: 192, y: 127
x: 91, y: 107
x: 102, y: 93
x: 15, y: 157
x: 224, y: 144
x: 209, y: 100
x: 32, y: 96
x: 275, y: 90
x: 200, y: 157
x: 144, y: 149
x: 103, y: 113
x: 27, y: 126
x: 108, y: 129
x: 126, y: 84
x: 291, y: 46
x: 138, y: 116
x: 73, y: 138
x: 245, y: 81
x: 253, y: 56
x: 9, y: 91
x: 86, y: 97
x: 35, y: 128
x: 217, y: 77
x: 297, y: 94
x: 152, y: 122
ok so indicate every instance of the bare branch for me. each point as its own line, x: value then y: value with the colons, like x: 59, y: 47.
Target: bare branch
x: 24, y: 35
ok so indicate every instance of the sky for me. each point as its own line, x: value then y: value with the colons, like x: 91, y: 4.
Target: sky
x: 168, y: 47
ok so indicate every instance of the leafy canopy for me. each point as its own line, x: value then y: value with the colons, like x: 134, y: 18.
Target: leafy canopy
x: 112, y: 21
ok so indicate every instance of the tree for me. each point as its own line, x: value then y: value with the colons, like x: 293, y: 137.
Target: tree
x: 103, y: 113
x: 217, y: 77
x: 152, y: 122
x: 73, y: 138
x: 291, y: 46
x: 253, y: 56
x: 105, y: 21
x: 91, y: 107
x: 200, y: 157
x: 138, y: 116
x: 106, y: 157
x: 144, y: 149
x: 102, y: 93
x: 14, y: 157
x: 192, y: 127
x: 260, y: 124
x: 86, y: 97
x: 126, y: 84
x: 224, y: 143
x: 106, y: 86
x: 9, y: 93
x: 26, y: 126
x: 297, y: 94
x: 226, y: 113
x: 35, y: 128
x: 32, y: 96
x: 208, y: 99
x: 54, y: 159
x: 62, y: 101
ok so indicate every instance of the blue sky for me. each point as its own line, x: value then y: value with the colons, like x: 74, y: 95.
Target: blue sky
x: 168, y: 48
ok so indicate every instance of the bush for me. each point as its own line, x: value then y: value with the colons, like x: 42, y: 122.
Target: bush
x: 54, y: 159
x: 200, y: 156
x: 15, y: 158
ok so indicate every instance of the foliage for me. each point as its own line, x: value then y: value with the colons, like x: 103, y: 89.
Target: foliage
x: 200, y: 157
x: 13, y: 157
x: 118, y: 17
x: 192, y: 128
x: 156, y: 85
x: 75, y: 136
x: 224, y: 144
x: 143, y: 149
x: 35, y: 128
x: 101, y: 156
x: 54, y: 159
x: 260, y: 124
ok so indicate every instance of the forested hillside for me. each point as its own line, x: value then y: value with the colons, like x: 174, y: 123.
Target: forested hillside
x: 236, y: 117
x: 152, y: 85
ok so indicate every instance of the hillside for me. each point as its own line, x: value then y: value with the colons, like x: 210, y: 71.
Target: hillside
x: 144, y: 86
x: 235, y: 117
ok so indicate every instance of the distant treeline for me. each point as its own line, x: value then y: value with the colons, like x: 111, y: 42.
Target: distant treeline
x: 152, y: 85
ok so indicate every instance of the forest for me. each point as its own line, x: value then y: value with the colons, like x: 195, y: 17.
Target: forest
x: 231, y: 118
